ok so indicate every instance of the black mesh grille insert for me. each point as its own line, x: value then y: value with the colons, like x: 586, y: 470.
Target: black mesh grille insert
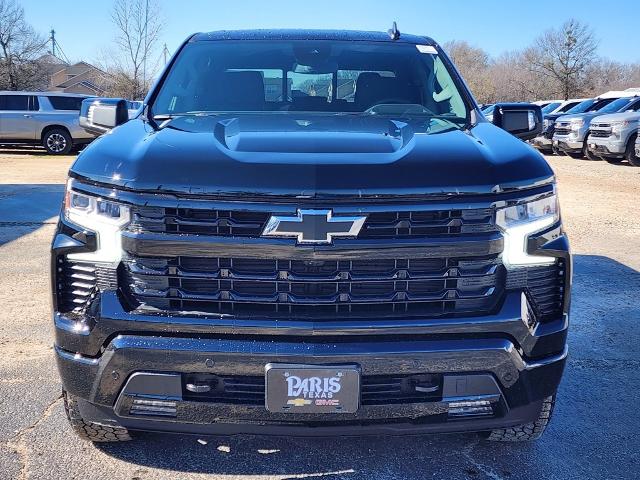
x: 315, y: 288
x: 241, y: 223
x: 375, y: 389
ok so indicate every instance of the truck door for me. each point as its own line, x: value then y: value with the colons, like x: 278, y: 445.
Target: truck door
x: 17, y: 120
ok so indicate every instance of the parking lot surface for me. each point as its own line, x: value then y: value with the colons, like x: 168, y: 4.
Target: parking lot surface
x: 594, y: 433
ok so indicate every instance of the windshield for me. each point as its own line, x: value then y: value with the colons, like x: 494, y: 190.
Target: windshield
x: 616, y: 105
x: 551, y: 107
x: 285, y: 77
x: 582, y: 106
x: 567, y: 107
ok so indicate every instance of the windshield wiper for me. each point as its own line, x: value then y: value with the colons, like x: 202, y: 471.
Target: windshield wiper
x: 452, y: 119
x: 196, y: 113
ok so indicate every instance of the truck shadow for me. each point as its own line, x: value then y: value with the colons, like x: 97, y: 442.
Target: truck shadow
x: 605, y: 314
x: 37, y: 150
x: 25, y: 208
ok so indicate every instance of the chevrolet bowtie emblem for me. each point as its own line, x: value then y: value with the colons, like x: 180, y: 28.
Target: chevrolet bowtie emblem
x: 313, y: 226
x: 298, y: 402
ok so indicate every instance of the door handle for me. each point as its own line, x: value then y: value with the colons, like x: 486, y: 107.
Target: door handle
x: 26, y: 115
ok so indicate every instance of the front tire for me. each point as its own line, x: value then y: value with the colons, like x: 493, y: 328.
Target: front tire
x: 57, y: 142
x: 528, y: 431
x: 587, y: 154
x: 90, y: 430
x: 630, y: 155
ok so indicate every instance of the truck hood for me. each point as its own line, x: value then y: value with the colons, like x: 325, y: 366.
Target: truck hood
x: 554, y: 116
x: 619, y: 117
x: 310, y: 155
x: 587, y: 117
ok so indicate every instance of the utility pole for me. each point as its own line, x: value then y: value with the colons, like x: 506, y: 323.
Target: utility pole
x: 53, y: 42
x: 165, y: 53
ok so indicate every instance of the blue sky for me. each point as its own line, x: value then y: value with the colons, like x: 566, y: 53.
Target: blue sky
x: 84, y: 29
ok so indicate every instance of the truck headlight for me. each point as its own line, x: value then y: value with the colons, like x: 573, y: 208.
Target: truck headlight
x: 577, y: 124
x: 518, y: 222
x: 105, y: 217
x: 617, y: 127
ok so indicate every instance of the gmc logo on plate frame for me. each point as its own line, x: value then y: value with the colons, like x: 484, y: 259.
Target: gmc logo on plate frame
x: 313, y: 226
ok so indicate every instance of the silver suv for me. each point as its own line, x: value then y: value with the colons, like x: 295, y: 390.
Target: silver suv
x: 613, y: 137
x: 46, y: 118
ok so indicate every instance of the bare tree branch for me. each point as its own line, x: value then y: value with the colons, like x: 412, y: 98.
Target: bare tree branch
x: 20, y: 46
x: 138, y: 32
x: 563, y: 55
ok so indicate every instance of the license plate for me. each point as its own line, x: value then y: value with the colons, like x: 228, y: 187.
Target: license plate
x: 312, y: 388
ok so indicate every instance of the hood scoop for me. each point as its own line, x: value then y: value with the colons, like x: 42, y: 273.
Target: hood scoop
x: 325, y: 135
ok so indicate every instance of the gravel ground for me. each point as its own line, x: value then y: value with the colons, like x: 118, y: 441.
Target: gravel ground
x: 595, y: 429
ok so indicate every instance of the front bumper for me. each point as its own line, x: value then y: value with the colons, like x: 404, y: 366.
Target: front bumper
x: 610, y: 146
x: 567, y: 143
x: 146, y: 367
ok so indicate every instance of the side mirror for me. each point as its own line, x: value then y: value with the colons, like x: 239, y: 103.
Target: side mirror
x: 99, y: 115
x: 524, y: 120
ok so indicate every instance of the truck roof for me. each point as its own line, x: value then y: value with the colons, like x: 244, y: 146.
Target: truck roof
x: 45, y: 94
x: 630, y: 92
x: 302, y: 34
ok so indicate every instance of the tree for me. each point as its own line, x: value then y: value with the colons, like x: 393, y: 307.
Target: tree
x: 139, y: 24
x: 474, y: 65
x: 20, y: 46
x: 563, y: 56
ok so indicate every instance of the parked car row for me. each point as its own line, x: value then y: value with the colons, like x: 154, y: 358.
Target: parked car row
x: 601, y: 128
x: 49, y: 119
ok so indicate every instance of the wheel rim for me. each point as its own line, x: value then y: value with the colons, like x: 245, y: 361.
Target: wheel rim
x: 56, y: 142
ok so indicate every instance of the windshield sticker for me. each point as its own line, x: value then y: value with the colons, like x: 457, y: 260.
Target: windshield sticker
x: 427, y: 49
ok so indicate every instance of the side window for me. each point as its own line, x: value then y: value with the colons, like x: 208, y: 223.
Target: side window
x: 16, y: 102
x: 34, y: 104
x: 66, y: 103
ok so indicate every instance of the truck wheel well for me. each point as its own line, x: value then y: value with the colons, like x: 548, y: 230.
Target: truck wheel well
x: 48, y: 128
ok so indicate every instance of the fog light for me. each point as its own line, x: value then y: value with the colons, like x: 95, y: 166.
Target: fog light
x: 476, y: 408
x: 162, y: 408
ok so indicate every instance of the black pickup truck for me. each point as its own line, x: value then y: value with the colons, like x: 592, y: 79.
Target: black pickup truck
x: 310, y: 233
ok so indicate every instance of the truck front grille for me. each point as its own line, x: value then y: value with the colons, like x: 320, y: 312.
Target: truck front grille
x: 244, y: 223
x: 315, y: 289
x: 600, y: 133
x: 563, y: 130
